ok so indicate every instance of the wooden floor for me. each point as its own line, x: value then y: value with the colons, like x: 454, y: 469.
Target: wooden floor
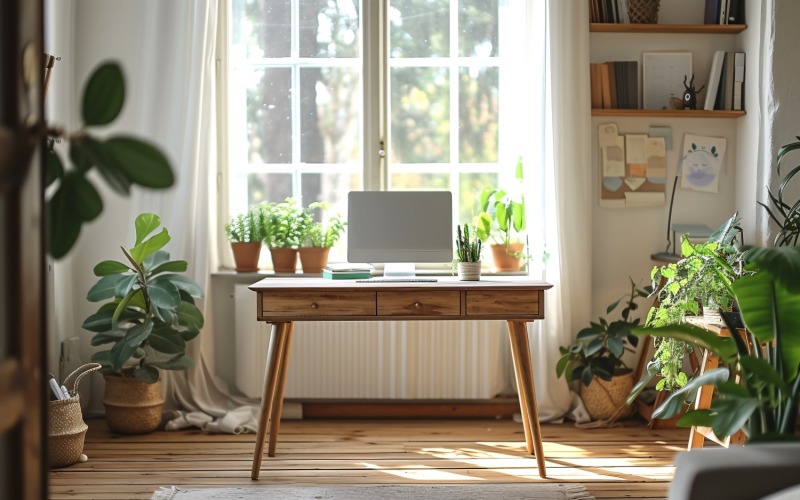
x: 624, y: 462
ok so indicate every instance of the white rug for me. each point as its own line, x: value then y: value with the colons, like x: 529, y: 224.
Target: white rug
x: 535, y: 491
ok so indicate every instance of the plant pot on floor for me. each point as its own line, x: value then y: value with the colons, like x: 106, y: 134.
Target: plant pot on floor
x: 284, y: 260
x: 605, y: 399
x: 506, y: 258
x: 246, y: 256
x: 313, y: 259
x: 132, y: 406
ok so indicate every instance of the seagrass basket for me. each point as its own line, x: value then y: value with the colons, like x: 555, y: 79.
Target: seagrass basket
x: 66, y: 429
x: 643, y: 11
x: 132, y: 406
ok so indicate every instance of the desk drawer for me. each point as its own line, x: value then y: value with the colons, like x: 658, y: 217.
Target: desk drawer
x: 419, y: 303
x: 503, y: 303
x: 310, y: 304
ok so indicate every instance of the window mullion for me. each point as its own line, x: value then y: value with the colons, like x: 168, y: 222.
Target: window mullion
x: 295, y: 101
x: 454, y: 105
x: 375, y: 136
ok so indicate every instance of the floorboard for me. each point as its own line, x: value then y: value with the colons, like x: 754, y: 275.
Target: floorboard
x: 630, y: 461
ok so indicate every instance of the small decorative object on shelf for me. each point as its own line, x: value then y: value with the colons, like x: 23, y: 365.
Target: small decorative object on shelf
x: 643, y: 11
x: 690, y: 94
x: 468, y: 254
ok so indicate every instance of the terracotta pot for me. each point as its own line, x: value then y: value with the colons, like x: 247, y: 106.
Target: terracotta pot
x: 469, y: 271
x: 246, y: 256
x: 132, y: 406
x: 284, y: 260
x: 504, y: 260
x: 313, y: 259
x: 604, y: 399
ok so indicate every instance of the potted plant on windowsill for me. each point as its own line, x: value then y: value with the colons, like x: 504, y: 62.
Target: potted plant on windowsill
x: 285, y: 224
x: 468, y: 254
x: 595, y: 359
x: 501, y: 222
x: 319, y: 239
x: 246, y: 234
x: 149, y: 317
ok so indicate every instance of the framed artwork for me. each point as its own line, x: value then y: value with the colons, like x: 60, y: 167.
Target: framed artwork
x: 662, y: 77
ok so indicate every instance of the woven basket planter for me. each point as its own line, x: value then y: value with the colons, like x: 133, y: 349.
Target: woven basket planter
x: 66, y: 429
x: 605, y: 399
x: 644, y: 11
x: 132, y: 406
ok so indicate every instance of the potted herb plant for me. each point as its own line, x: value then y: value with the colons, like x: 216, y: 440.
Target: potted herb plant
x: 468, y: 253
x: 501, y: 221
x: 595, y: 358
x: 246, y: 234
x: 285, y: 224
x: 320, y: 238
x: 759, y: 388
x: 148, y: 316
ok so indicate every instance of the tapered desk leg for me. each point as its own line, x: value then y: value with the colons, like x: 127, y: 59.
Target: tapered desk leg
x: 270, y: 387
x: 518, y: 334
x: 277, y: 403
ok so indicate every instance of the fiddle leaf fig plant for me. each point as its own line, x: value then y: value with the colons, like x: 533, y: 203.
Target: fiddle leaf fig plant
x: 121, y: 161
x: 150, y: 313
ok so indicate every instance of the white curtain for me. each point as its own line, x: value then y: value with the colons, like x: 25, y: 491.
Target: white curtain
x: 558, y: 180
x: 177, y: 72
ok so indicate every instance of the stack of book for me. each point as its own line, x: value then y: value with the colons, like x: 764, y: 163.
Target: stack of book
x: 615, y: 85
x: 347, y: 271
x: 724, y: 12
x: 609, y: 11
x: 726, y: 82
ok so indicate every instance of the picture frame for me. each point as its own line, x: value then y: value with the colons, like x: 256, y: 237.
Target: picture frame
x: 662, y: 77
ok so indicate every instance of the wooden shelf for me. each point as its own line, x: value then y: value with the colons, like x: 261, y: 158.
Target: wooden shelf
x: 716, y: 29
x: 668, y: 113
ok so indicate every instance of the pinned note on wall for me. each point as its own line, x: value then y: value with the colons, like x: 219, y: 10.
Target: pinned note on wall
x: 633, y: 168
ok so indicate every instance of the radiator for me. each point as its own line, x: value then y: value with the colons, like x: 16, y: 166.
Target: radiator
x: 376, y: 360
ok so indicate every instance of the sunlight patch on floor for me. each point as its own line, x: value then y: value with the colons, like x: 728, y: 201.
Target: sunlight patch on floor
x: 421, y: 473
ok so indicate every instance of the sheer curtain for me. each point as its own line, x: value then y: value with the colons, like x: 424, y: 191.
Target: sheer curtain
x: 558, y: 180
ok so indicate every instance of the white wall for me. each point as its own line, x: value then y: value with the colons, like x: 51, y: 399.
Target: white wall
x: 624, y: 238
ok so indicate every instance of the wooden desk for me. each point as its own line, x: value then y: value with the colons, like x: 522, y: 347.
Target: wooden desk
x: 282, y: 301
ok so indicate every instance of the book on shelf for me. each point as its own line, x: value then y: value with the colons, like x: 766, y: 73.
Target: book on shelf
x: 345, y: 275
x: 724, y: 12
x: 726, y: 82
x: 615, y: 85
x: 713, y: 79
x: 609, y: 11
x: 738, y: 81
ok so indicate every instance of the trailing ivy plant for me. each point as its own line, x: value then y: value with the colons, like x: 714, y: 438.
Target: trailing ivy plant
x: 703, y: 277
x: 150, y: 314
x: 121, y: 161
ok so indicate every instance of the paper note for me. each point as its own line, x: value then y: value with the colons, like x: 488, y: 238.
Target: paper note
x: 656, y: 154
x: 702, y: 162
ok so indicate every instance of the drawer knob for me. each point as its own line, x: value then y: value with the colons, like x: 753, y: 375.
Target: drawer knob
x: 417, y: 305
x: 314, y: 305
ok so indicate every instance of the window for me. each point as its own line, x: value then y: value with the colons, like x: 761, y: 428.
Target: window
x: 297, y: 120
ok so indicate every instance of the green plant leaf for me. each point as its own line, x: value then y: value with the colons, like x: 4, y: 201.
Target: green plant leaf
x: 702, y: 418
x: 156, y: 259
x: 54, y: 169
x: 163, y: 294
x: 731, y: 415
x: 149, y: 246
x: 764, y: 372
x: 188, y: 335
x: 724, y: 347
x: 616, y: 347
x: 79, y: 157
x: 107, y: 267
x: 141, y: 162
x: 146, y: 373
x: 101, y: 156
x: 103, y: 95
x: 63, y: 227
x: 106, y: 338
x: 85, y: 201
x: 782, y: 263
x: 174, y: 266
x: 674, y: 403
x: 190, y: 316
x: 98, y: 322
x: 122, y: 305
x: 167, y: 341
x: 124, y: 285
x: 123, y: 350
x: 145, y: 224
x: 184, y: 283
x: 181, y: 362
x: 102, y: 357
x: 104, y: 288
x: 168, y: 316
